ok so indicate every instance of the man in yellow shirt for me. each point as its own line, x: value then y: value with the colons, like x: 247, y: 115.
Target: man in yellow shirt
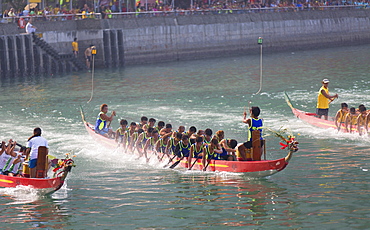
x: 323, y: 100
x: 75, y: 47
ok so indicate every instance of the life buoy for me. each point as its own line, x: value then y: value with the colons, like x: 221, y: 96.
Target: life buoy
x: 21, y: 23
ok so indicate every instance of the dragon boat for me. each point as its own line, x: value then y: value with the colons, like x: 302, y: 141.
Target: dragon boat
x: 44, y: 185
x: 260, y: 168
x: 311, y: 118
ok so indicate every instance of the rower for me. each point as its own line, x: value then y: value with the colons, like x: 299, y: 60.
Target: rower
x: 211, y: 151
x: 183, y: 147
x: 172, y: 143
x: 191, y: 134
x: 167, y: 130
x: 150, y: 124
x: 160, y: 126
x: 150, y: 144
x: 228, y: 149
x: 141, y: 140
x: 121, y: 132
x: 101, y: 126
x: 220, y: 134
x: 143, y: 122
x: 362, y: 126
x: 131, y: 131
x: 351, y: 119
x: 180, y: 130
x: 208, y: 135
x: 6, y: 155
x: 340, y: 117
x: 196, y: 150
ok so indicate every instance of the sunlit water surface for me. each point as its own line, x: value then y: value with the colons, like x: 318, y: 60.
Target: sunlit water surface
x: 325, y: 186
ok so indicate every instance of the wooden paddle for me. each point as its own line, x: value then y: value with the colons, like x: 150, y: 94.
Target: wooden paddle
x: 169, y: 161
x: 205, y: 168
x: 176, y: 163
x: 194, y: 162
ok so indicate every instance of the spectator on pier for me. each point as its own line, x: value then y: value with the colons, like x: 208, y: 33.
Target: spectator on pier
x: 11, y: 13
x: 30, y: 28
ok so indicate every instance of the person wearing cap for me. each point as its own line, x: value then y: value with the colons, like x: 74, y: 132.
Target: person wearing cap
x: 323, y: 100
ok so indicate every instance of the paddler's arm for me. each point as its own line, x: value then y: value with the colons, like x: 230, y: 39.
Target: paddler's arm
x: 108, y: 118
x: 245, y: 120
x: 336, y: 119
x: 358, y: 124
x: 139, y: 139
x: 10, y: 149
x: 223, y: 144
x: 347, y: 120
x: 147, y: 143
x: 218, y: 149
x: 191, y: 154
x: 2, y: 147
x: 328, y: 96
x: 158, y: 145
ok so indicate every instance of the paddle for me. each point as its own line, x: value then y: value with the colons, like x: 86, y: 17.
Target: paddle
x: 194, y: 162
x: 176, y: 163
x: 163, y: 154
x: 170, y: 161
x: 205, y: 168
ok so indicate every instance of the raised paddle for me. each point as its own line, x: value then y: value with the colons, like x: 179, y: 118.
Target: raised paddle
x: 176, y: 163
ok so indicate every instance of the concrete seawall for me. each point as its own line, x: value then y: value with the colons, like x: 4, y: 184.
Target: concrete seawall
x: 129, y: 41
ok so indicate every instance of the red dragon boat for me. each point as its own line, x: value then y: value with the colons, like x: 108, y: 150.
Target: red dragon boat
x: 311, y: 118
x: 43, y: 185
x: 261, y: 168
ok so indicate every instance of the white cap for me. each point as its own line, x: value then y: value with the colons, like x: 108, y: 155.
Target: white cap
x: 325, y: 81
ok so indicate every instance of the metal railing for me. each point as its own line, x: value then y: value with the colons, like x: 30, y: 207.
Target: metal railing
x: 64, y: 17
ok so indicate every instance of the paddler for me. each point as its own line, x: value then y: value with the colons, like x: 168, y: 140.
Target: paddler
x: 340, y: 117
x: 151, y: 144
x: 121, y: 133
x: 323, y: 100
x: 211, y: 151
x: 141, y: 140
x: 351, y: 119
x: 101, y: 126
x: 196, y: 150
x: 362, y: 127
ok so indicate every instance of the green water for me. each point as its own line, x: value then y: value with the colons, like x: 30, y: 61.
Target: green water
x: 325, y: 185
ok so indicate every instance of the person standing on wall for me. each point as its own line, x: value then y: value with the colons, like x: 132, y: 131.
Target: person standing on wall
x: 323, y: 100
x: 88, y: 56
x: 75, y: 47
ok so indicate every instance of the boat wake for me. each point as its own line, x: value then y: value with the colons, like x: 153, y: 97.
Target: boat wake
x: 21, y: 194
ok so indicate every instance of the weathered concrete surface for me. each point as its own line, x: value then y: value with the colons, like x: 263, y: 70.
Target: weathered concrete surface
x: 159, y: 39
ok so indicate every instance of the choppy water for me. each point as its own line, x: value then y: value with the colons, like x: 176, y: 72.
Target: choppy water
x: 325, y: 185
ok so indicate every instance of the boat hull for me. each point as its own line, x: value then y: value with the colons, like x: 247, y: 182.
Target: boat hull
x: 251, y: 168
x: 311, y: 119
x: 47, y: 185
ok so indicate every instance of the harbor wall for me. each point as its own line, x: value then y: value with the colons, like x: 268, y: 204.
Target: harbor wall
x: 141, y: 40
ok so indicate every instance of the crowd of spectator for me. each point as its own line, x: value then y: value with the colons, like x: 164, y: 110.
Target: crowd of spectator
x: 110, y: 11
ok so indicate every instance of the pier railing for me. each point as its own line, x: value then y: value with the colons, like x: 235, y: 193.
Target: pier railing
x: 63, y: 17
